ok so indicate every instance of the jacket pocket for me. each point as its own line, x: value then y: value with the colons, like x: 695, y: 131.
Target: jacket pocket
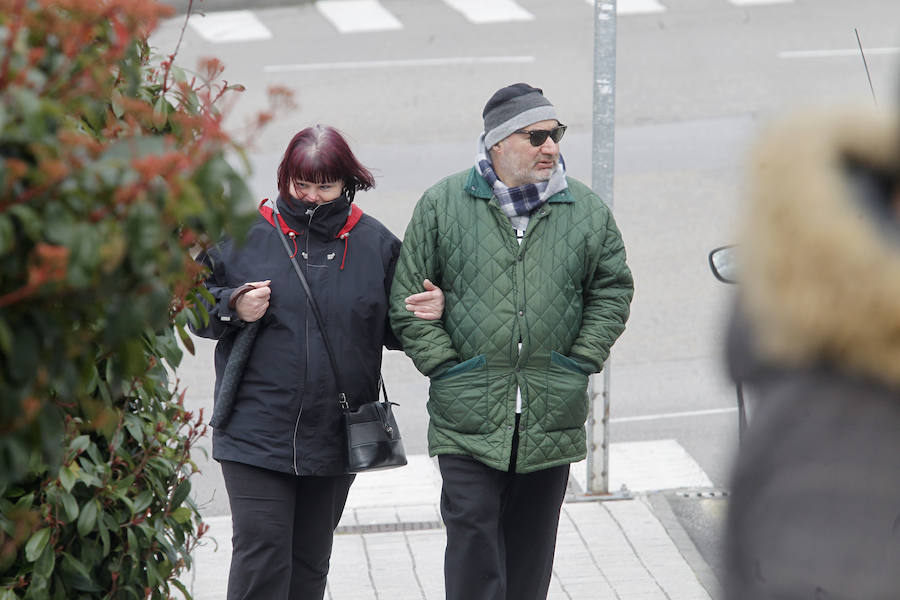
x: 565, y: 361
x: 458, y: 398
x: 566, y: 394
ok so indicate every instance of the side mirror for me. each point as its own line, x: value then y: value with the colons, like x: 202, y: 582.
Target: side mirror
x: 723, y: 263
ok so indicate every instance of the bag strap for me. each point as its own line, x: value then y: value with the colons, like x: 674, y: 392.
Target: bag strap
x: 342, y: 396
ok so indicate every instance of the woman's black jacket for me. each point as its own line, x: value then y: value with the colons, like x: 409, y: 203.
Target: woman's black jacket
x: 286, y: 415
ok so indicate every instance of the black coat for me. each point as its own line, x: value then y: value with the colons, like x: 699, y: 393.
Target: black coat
x: 286, y: 415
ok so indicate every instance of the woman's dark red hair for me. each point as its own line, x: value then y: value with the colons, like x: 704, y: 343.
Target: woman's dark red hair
x: 320, y: 154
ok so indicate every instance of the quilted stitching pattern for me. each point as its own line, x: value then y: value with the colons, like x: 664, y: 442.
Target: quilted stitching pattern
x: 567, y: 290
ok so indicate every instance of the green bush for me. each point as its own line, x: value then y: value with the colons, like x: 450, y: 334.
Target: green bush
x: 113, y: 169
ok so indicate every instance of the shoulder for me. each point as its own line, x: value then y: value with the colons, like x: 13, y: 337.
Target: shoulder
x: 371, y: 227
x: 454, y: 183
x: 582, y: 193
x: 585, y: 200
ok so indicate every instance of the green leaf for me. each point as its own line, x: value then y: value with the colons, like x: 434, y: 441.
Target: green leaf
x: 66, y: 478
x: 104, y: 536
x: 134, y: 426
x: 70, y: 505
x: 116, y: 103
x: 46, y: 562
x: 30, y: 219
x: 36, y: 544
x: 24, y: 503
x: 186, y: 339
x: 133, y: 546
x: 81, y: 443
x: 160, y: 112
x: 142, y: 501
x: 81, y: 576
x: 182, y: 514
x: 181, y: 588
x: 88, y: 517
x: 181, y: 492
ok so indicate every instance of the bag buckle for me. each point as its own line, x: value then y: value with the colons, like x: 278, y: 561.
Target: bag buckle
x: 342, y: 398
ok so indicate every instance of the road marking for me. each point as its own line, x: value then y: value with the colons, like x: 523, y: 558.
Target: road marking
x: 490, y: 11
x: 758, y: 2
x: 387, y: 64
x: 648, y: 466
x: 636, y: 7
x: 834, y: 53
x: 229, y: 26
x: 354, y: 16
x: 675, y: 415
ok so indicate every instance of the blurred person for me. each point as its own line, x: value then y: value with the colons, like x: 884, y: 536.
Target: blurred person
x: 537, y: 291
x: 281, y: 448
x: 815, y: 505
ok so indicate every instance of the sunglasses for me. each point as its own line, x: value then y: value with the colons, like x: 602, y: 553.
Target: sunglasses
x: 537, y: 137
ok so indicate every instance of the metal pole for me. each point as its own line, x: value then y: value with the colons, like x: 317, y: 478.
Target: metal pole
x: 602, y: 162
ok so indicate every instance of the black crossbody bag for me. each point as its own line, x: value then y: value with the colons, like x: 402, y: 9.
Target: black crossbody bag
x: 373, y: 438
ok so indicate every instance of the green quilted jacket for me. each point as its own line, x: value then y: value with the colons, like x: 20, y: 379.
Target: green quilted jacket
x: 564, y: 293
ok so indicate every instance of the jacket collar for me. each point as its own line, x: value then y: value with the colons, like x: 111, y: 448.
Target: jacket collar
x: 266, y: 209
x: 477, y: 186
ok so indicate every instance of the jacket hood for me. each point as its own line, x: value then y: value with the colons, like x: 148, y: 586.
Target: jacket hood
x: 820, y: 250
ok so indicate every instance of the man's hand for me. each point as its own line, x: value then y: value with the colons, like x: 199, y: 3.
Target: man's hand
x: 252, y: 305
x: 428, y: 305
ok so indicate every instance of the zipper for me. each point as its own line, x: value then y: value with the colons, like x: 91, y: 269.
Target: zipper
x: 305, y: 256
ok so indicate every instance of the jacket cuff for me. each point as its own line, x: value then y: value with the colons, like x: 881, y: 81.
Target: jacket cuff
x: 443, y: 368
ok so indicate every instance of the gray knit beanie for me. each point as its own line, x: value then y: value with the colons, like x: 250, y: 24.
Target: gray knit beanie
x: 512, y: 108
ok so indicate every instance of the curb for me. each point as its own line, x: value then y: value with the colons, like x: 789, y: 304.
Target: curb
x: 683, y: 542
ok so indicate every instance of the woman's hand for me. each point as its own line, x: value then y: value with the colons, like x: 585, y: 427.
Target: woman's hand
x: 428, y: 305
x: 252, y: 305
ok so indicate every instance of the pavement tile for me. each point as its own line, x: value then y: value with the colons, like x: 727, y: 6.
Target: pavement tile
x: 616, y: 550
x: 591, y: 592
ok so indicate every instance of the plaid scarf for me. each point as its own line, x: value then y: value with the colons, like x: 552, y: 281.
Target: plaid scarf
x: 519, y: 202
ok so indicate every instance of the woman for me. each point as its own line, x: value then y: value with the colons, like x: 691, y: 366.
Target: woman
x: 815, y: 504
x: 281, y: 447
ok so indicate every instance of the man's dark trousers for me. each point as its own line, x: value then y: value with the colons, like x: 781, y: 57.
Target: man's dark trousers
x: 283, y: 531
x: 501, y: 529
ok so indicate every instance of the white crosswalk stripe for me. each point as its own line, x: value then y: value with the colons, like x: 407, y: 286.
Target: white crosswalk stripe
x: 353, y: 16
x: 490, y: 11
x: 229, y: 26
x: 758, y: 2
x: 636, y: 7
x: 401, y: 63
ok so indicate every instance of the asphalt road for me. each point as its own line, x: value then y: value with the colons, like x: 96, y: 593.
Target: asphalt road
x: 694, y: 84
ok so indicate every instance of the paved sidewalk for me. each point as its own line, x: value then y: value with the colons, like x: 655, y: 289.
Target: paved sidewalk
x: 390, y: 544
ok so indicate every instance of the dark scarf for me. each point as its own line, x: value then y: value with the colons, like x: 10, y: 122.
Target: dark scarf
x: 322, y: 220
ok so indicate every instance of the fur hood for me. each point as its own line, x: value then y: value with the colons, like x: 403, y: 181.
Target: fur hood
x: 820, y: 250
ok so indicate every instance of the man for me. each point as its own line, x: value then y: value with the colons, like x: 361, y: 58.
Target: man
x: 536, y: 291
